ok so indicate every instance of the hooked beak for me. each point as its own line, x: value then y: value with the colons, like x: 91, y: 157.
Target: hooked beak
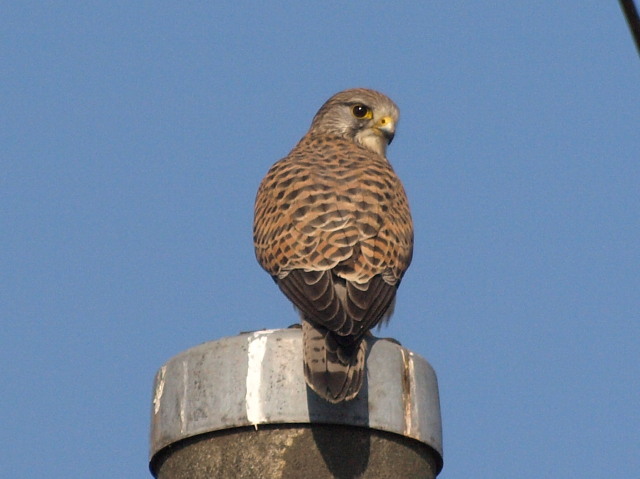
x: 386, y: 127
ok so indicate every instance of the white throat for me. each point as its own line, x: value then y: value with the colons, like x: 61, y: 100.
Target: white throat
x: 373, y: 142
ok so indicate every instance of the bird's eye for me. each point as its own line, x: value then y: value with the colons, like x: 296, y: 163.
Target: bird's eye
x: 361, y: 111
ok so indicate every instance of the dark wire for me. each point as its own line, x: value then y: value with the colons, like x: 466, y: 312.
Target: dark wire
x: 630, y: 11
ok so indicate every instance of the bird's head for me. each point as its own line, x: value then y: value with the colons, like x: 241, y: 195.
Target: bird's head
x: 367, y: 117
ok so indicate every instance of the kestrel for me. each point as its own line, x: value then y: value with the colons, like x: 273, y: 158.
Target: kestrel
x: 332, y: 226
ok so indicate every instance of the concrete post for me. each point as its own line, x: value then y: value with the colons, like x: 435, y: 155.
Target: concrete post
x: 239, y: 408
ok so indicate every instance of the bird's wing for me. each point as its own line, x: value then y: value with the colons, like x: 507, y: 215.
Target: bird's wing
x: 332, y: 226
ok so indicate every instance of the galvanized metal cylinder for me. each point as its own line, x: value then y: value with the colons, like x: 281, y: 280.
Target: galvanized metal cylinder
x: 239, y: 407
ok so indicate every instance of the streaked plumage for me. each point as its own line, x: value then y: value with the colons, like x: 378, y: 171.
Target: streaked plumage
x: 333, y: 228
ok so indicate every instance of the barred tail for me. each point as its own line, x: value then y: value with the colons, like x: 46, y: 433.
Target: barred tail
x: 333, y: 369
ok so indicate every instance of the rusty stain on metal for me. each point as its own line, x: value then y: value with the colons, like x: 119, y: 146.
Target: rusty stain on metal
x: 406, y: 390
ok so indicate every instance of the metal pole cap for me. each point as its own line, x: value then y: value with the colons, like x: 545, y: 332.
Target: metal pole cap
x: 257, y: 378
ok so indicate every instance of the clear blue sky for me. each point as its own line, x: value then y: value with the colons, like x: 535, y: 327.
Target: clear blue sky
x: 133, y: 138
